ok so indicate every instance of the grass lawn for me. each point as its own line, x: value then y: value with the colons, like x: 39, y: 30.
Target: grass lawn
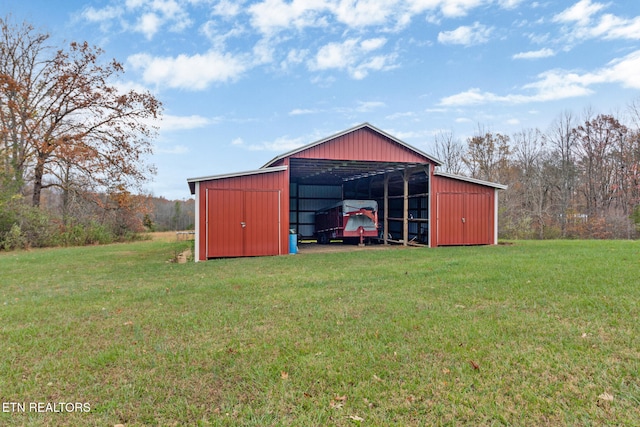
x: 534, y: 333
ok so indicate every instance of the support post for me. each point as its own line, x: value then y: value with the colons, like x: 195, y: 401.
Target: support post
x: 405, y: 208
x: 385, y: 227
x: 430, y: 224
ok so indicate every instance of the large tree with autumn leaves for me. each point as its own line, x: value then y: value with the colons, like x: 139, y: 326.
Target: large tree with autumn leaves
x: 64, y: 122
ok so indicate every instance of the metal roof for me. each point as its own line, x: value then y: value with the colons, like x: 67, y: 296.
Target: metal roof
x: 344, y: 132
x: 473, y: 180
x: 192, y: 181
x: 331, y: 171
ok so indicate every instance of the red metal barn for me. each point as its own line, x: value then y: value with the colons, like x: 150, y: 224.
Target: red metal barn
x: 251, y: 213
x: 243, y: 214
x: 466, y: 211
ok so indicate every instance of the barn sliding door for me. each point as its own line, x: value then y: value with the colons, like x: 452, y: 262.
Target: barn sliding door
x: 261, y: 223
x: 464, y: 219
x: 243, y: 223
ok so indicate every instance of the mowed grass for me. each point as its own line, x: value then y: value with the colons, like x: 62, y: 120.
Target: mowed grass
x: 534, y: 333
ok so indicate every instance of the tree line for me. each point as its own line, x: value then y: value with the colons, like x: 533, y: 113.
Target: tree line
x: 170, y: 215
x: 578, y: 179
x: 68, y: 128
x: 74, y: 150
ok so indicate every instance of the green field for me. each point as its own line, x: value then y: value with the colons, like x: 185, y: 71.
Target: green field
x: 533, y: 333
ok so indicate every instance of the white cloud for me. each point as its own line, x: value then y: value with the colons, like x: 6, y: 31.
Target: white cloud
x: 559, y: 84
x: 219, y: 38
x: 294, y: 57
x: 510, y: 4
x: 174, y: 123
x: 364, y: 13
x: 194, y: 72
x: 373, y: 44
x: 470, y: 97
x: 361, y: 107
x: 377, y: 63
x: 335, y: 55
x: 611, y: 27
x: 148, y: 24
x: 449, y: 8
x: 622, y: 70
x: 277, y: 22
x: 535, y: 54
x: 281, y: 144
x: 101, y: 15
x: 128, y: 85
x: 143, y: 16
x: 132, y: 4
x: 237, y: 142
x: 436, y: 110
x: 351, y: 55
x: 297, y: 55
x: 583, y: 22
x: 167, y: 7
x: 263, y: 52
x: 553, y: 85
x: 458, y: 8
x: 368, y: 106
x: 302, y: 111
x: 227, y: 8
x: 323, y: 81
x: 404, y: 135
x: 466, y: 35
x: 401, y: 115
x: 271, y: 16
x: 580, y: 12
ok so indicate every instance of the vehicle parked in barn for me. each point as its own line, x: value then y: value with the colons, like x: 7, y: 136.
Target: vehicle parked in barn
x: 347, y: 220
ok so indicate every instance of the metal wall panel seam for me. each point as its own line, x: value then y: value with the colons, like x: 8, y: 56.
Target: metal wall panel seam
x: 196, y: 249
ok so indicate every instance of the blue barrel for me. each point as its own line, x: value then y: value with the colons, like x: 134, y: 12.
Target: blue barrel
x: 293, y: 244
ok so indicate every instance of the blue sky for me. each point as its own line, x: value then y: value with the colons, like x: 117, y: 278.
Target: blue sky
x: 243, y: 81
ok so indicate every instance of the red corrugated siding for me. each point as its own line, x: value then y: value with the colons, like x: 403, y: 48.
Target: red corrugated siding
x: 463, y: 212
x: 448, y: 212
x: 262, y: 218
x: 225, y: 210
x: 262, y: 198
x: 255, y: 198
x: 479, y: 219
x: 362, y: 144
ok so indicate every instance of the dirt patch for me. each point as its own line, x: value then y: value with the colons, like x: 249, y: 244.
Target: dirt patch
x: 184, y: 256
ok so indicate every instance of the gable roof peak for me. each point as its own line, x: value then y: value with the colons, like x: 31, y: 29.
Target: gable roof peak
x: 350, y: 130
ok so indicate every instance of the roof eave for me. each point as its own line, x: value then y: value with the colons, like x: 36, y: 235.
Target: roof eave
x: 472, y: 180
x: 192, y: 181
